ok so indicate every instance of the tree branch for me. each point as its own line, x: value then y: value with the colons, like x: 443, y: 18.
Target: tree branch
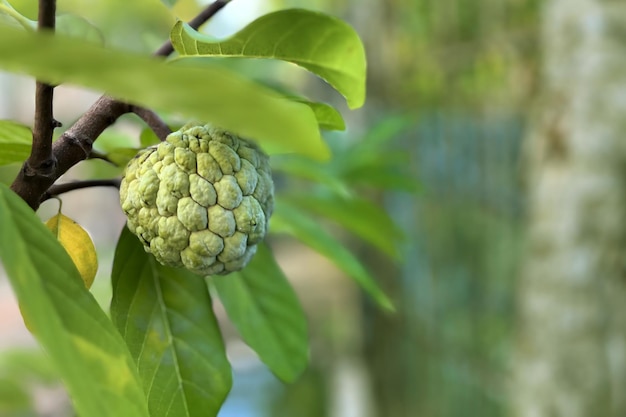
x: 166, y: 49
x: 158, y: 126
x: 76, y: 143
x: 59, y: 189
x: 41, y: 160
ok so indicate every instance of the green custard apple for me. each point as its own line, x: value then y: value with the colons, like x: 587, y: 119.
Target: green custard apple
x: 200, y: 200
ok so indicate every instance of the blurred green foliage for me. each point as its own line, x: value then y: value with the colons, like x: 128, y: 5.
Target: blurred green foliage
x: 466, y: 73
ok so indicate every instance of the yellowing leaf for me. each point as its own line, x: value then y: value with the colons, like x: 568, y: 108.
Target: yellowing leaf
x: 78, y: 245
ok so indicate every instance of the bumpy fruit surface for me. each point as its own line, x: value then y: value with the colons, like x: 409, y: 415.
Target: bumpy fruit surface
x: 200, y: 200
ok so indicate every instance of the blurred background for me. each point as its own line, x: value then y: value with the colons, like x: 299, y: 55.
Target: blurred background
x: 467, y: 90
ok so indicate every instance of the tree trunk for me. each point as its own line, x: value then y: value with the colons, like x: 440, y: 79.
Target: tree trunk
x: 571, y: 349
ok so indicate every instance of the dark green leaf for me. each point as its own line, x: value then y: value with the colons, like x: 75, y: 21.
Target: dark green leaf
x: 15, y: 142
x: 324, y: 45
x: 288, y: 219
x: 208, y: 94
x: 360, y: 216
x: 265, y: 310
x: 89, y: 353
x: 166, y: 317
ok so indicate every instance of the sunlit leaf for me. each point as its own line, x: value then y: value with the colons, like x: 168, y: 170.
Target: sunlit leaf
x: 265, y: 310
x: 324, y: 45
x: 166, y: 318
x: 15, y: 142
x: 87, y: 350
x: 288, y: 219
x: 209, y: 94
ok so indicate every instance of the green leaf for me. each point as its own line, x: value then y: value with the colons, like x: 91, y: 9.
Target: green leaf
x: 209, y: 94
x: 122, y: 156
x: 21, y: 364
x: 15, y: 142
x: 265, y: 310
x: 386, y: 180
x: 165, y: 316
x: 306, y: 168
x: 169, y: 3
x: 14, y: 398
x: 78, y: 27
x: 360, y: 216
x: 288, y: 219
x: 324, y: 45
x: 86, y: 349
x: 327, y: 116
x: 148, y: 138
x: 10, y: 16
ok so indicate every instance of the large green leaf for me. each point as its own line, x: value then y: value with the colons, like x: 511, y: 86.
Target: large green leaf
x: 289, y: 219
x: 209, y: 93
x: 360, y: 216
x: 265, y: 310
x: 15, y: 142
x: 165, y: 316
x: 324, y: 45
x: 89, y: 353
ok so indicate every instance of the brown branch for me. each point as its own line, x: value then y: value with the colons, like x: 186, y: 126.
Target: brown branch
x: 166, y: 49
x: 76, y: 143
x: 59, y: 189
x: 71, y: 148
x: 41, y: 160
x: 154, y: 122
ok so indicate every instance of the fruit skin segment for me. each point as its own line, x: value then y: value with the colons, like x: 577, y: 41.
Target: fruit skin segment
x: 200, y: 200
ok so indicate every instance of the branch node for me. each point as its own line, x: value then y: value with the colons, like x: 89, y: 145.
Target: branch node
x: 56, y: 123
x: 83, y: 142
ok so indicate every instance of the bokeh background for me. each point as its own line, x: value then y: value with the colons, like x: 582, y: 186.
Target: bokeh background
x: 457, y: 85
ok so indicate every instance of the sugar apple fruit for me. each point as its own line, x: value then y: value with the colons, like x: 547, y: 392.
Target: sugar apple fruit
x: 199, y: 200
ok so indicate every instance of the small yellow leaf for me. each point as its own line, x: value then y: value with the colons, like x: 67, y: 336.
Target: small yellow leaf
x: 78, y: 245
